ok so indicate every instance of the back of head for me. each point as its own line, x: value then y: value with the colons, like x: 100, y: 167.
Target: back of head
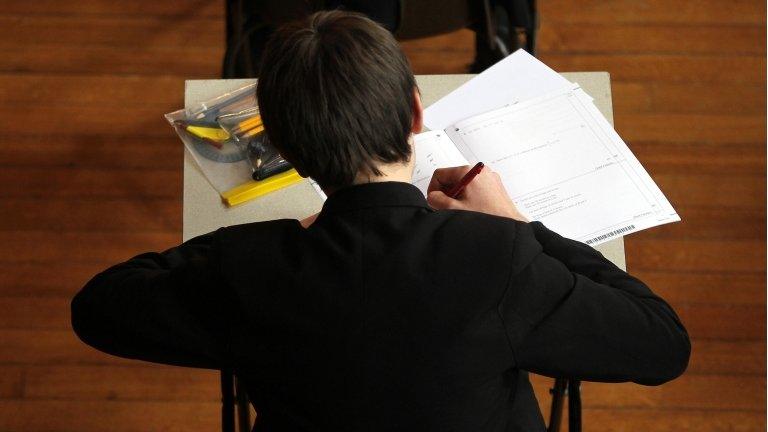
x: 336, y: 96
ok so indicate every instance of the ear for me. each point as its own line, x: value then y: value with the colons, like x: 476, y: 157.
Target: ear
x: 418, y: 112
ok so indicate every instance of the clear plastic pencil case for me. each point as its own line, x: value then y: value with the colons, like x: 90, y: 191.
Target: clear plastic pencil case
x: 226, y: 139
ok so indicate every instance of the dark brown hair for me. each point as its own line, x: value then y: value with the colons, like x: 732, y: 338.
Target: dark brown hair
x: 336, y: 96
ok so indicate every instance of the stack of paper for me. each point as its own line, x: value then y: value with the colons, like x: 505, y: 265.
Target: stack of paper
x: 560, y: 160
x: 516, y: 78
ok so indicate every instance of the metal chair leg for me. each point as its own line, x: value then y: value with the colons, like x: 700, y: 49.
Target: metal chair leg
x: 243, y: 408
x: 531, y: 33
x: 556, y: 410
x: 574, y: 405
x: 227, y: 401
x: 561, y: 388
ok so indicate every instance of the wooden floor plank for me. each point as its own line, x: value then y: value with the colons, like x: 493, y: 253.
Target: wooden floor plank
x: 97, y: 248
x: 51, y: 347
x: 685, y: 12
x: 11, y: 381
x: 665, y: 68
x: 81, y: 91
x: 192, y: 63
x: 694, y: 255
x: 144, y: 383
x: 713, y: 223
x: 94, y: 152
x: 612, y: 37
x: 146, y: 122
x: 173, y: 10
x: 111, y: 31
x: 727, y: 357
x: 685, y: 97
x: 144, y: 215
x: 664, y: 420
x: 660, y: 157
x: 114, y: 416
x: 734, y: 190
x: 699, y: 128
x: 460, y: 42
x: 90, y: 183
x: 727, y: 288
x: 33, y: 313
x: 723, y: 321
x: 45, y: 279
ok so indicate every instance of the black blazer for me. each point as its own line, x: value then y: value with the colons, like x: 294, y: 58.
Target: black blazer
x: 386, y: 315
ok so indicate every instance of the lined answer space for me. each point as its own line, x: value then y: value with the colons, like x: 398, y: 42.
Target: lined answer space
x: 565, y: 166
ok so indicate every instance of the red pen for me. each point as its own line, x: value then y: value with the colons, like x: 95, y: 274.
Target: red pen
x: 468, y: 177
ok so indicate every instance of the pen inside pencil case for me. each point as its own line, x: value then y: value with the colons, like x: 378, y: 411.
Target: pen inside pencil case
x: 264, y: 158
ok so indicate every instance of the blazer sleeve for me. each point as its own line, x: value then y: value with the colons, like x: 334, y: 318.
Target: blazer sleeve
x: 167, y: 307
x: 569, y: 312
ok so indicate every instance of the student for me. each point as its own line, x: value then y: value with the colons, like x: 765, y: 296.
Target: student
x: 389, y: 311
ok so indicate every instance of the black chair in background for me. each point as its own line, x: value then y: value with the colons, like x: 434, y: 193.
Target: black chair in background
x: 500, y: 26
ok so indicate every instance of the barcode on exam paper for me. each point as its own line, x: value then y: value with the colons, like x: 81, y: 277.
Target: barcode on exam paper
x: 610, y: 234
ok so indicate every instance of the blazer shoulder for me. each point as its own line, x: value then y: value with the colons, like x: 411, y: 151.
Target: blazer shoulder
x: 240, y: 246
x: 246, y: 233
x: 496, y: 232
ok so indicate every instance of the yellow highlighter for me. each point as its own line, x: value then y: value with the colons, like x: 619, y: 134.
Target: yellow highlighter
x: 254, y: 189
x: 216, y: 134
x: 212, y: 135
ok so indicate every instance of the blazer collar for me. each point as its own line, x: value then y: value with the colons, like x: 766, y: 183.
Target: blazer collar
x: 380, y: 194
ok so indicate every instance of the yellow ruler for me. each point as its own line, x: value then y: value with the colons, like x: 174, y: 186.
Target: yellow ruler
x: 254, y: 189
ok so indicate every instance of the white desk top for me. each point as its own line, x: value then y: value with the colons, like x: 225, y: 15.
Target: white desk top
x: 204, y: 211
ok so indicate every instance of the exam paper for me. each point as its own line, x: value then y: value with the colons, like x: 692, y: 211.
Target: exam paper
x: 318, y: 189
x: 517, y: 77
x: 564, y: 165
x: 433, y: 150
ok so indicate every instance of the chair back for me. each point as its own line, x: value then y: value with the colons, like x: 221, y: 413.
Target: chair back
x: 445, y: 16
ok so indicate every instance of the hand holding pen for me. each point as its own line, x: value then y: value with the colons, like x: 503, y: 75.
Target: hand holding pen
x: 475, y: 188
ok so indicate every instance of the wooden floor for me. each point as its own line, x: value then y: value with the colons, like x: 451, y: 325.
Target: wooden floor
x: 91, y: 174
